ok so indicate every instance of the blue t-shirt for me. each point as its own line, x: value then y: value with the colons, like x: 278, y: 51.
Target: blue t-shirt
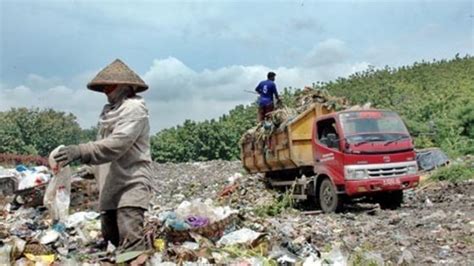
x: 267, y: 89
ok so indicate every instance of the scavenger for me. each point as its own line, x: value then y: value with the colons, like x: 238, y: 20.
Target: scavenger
x: 120, y: 157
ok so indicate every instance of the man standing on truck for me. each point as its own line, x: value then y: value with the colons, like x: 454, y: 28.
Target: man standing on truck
x: 267, y: 90
x: 120, y: 157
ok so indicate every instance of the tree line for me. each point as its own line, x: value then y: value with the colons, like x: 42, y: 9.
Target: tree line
x: 435, y: 99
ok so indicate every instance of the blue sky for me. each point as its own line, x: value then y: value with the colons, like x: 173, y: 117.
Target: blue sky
x: 199, y: 56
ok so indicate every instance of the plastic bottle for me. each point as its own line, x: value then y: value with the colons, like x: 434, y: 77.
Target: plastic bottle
x: 62, y: 201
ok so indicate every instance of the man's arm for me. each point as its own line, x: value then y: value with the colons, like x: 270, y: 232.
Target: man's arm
x: 276, y: 93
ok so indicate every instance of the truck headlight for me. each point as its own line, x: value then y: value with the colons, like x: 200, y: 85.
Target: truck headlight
x: 412, y: 169
x: 355, y: 174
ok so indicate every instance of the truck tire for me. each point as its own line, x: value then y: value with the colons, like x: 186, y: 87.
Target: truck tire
x: 391, y: 200
x: 329, y: 200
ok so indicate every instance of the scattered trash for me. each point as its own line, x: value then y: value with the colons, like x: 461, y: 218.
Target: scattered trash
x: 49, y: 236
x: 5, y: 253
x: 432, y: 158
x: 127, y: 256
x: 227, y: 231
x: 406, y: 258
x: 242, y: 236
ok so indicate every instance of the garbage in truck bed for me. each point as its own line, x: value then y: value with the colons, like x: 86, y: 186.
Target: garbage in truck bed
x: 278, y: 119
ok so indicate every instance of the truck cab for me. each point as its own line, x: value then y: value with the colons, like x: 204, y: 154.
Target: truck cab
x: 362, y: 153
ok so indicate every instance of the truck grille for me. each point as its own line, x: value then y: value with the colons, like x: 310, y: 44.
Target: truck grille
x: 388, y: 172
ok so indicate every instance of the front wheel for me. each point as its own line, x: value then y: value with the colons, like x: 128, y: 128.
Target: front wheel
x: 391, y: 200
x: 329, y: 200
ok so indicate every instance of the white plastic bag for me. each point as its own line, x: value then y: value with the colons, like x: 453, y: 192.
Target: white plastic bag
x: 242, y: 236
x: 58, y: 203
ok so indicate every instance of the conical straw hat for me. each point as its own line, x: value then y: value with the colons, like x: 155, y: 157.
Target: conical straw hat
x: 117, y: 73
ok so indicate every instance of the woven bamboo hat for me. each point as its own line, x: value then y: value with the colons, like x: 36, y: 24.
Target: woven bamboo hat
x: 117, y: 73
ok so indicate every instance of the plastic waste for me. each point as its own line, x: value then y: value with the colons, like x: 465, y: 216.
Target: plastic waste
x: 159, y: 244
x: 162, y: 217
x: 5, y: 253
x: 242, y: 236
x: 286, y: 259
x: 30, y: 177
x: 57, y: 195
x: 190, y: 245
x: 196, y: 208
x: 79, y: 218
x: 21, y: 168
x: 312, y: 260
x: 49, y: 236
x: 40, y: 259
x: 235, y: 177
x: 406, y: 258
x: 18, y: 246
x: 197, y: 221
x: 336, y: 257
x: 62, y: 201
x: 177, y: 224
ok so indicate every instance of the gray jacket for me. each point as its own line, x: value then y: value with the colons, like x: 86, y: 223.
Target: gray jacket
x: 121, y: 155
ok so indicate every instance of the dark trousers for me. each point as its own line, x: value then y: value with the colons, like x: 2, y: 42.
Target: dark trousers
x: 124, y: 228
x: 263, y: 111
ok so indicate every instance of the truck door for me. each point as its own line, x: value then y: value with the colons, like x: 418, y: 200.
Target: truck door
x: 327, y: 150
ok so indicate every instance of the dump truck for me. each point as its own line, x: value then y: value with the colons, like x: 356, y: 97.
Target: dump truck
x: 331, y: 158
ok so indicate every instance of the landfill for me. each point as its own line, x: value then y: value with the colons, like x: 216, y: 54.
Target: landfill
x: 215, y: 213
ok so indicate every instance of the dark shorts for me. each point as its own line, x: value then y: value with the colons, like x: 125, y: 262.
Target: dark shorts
x: 264, y: 110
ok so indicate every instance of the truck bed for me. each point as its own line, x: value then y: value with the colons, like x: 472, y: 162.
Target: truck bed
x: 287, y: 147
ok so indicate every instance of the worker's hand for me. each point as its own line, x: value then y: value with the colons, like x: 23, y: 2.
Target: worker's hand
x: 85, y: 172
x: 68, y: 154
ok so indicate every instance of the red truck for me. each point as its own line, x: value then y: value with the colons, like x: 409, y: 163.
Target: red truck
x: 332, y: 158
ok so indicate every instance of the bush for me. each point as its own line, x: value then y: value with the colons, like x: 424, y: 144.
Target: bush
x: 454, y: 173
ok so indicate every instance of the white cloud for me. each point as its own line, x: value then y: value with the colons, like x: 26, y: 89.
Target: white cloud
x: 38, y: 82
x: 178, y: 92
x: 330, y: 51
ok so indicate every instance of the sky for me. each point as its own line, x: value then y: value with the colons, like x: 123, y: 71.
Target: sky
x: 200, y: 57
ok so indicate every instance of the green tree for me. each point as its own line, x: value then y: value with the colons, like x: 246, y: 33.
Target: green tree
x: 435, y: 99
x: 35, y: 131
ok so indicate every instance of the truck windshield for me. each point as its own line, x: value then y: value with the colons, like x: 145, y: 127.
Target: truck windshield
x: 367, y: 126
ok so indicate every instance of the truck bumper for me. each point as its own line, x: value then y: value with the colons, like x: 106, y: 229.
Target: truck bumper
x: 367, y: 186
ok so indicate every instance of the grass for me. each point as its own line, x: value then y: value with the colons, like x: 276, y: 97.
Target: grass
x: 282, y: 203
x: 454, y: 173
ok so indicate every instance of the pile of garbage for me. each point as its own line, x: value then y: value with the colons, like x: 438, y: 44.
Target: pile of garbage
x: 22, y: 177
x: 310, y: 95
x: 213, y: 213
x: 278, y: 119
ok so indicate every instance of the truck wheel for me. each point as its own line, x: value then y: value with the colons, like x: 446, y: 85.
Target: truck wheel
x: 328, y: 198
x: 392, y: 200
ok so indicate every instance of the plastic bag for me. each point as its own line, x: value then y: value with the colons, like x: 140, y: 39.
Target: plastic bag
x: 195, y: 208
x: 242, y: 236
x: 57, y: 195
